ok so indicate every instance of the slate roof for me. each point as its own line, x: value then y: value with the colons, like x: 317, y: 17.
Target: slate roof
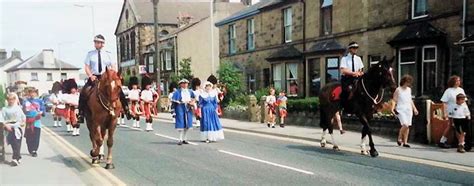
x: 10, y: 59
x: 469, y: 40
x: 249, y: 11
x: 288, y: 52
x: 417, y: 32
x: 36, y: 62
x: 330, y: 45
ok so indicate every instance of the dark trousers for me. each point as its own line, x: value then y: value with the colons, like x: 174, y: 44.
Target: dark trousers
x: 15, y: 143
x: 347, y: 83
x: 32, y: 136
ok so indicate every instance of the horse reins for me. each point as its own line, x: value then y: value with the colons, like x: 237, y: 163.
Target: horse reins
x: 376, y: 97
x: 99, y: 95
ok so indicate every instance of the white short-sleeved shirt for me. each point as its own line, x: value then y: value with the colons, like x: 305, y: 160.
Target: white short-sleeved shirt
x: 346, y: 62
x: 134, y: 94
x: 92, y: 59
x: 459, y: 112
x: 147, y: 96
x: 449, y: 96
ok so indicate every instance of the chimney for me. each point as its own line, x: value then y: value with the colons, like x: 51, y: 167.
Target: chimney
x: 48, y: 58
x: 3, y: 54
x: 16, y: 53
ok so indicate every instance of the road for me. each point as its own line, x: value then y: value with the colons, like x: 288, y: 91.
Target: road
x: 143, y: 158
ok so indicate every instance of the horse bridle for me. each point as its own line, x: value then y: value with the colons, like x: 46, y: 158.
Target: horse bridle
x: 101, y: 100
x: 372, y: 98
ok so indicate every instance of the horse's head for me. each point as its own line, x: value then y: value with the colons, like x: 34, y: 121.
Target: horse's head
x: 383, y: 73
x: 111, y: 85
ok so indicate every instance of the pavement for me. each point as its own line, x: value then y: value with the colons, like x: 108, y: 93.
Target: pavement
x: 251, y: 154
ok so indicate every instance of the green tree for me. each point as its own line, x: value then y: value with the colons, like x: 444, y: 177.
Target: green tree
x: 185, y: 70
x: 2, y: 97
x: 232, y: 78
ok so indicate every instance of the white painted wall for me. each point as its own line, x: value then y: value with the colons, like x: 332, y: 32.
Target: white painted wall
x: 3, y: 75
x: 43, y: 85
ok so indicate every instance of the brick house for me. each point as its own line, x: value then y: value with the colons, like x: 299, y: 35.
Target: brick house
x: 299, y: 42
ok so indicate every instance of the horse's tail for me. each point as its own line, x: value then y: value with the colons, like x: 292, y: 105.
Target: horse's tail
x: 323, y: 118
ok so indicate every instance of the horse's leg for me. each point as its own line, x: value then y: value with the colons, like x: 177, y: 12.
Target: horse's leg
x: 323, y: 123
x: 363, y: 149
x: 367, y: 132
x: 373, y: 151
x: 334, y: 144
x: 110, y: 143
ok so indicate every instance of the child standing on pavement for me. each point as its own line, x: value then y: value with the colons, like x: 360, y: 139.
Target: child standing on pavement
x: 34, y: 109
x: 12, y: 118
x: 281, y: 102
x: 404, y: 109
x: 270, y: 104
x: 460, y: 115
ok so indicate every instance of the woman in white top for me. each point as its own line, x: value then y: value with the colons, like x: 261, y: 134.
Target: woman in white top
x: 404, y: 108
x: 449, y: 102
x: 270, y: 104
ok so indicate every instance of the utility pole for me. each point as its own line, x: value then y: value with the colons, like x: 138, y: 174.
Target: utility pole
x: 156, y: 58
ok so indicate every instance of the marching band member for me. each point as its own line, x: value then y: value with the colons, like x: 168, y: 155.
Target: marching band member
x: 147, y: 101
x: 58, y: 108
x: 134, y: 97
x: 183, y: 99
x: 72, y: 101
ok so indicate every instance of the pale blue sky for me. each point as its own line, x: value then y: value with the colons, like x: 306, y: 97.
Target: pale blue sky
x: 33, y: 25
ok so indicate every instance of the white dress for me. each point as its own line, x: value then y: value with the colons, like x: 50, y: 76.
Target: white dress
x: 404, y: 107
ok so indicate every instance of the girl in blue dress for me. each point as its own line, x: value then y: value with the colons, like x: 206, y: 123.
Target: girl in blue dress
x: 211, y: 128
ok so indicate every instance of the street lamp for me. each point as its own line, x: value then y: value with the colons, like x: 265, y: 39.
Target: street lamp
x: 59, y: 53
x: 92, y: 11
x: 156, y: 58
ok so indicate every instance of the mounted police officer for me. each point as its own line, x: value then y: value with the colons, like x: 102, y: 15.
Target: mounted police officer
x: 96, y: 63
x: 351, y: 69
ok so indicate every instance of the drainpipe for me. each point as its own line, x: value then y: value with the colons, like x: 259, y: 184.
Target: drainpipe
x: 176, y: 63
x: 304, y: 49
x: 464, y: 12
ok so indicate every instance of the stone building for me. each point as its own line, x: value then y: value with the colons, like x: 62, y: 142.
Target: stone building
x: 135, y: 31
x: 300, y: 43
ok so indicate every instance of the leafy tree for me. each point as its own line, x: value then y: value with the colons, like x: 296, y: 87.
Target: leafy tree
x: 230, y: 76
x: 2, y: 97
x: 185, y: 70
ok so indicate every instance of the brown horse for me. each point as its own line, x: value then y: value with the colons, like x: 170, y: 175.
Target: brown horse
x: 101, y: 116
x: 366, y: 95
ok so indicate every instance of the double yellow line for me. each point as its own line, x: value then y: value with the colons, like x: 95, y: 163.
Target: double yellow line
x: 103, y: 176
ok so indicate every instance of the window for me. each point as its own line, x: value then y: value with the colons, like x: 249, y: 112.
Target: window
x: 326, y: 17
x: 407, y: 66
x: 127, y: 47
x: 168, y: 59
x: 429, y: 69
x: 63, y: 76
x: 277, y: 76
x: 232, y: 37
x: 314, y: 79
x: 419, y: 9
x: 332, y: 69
x: 287, y: 24
x: 132, y: 45
x: 151, y: 66
x: 34, y: 76
x: 122, y: 49
x: 292, y: 79
x: 251, y: 83
x: 49, y: 77
x: 373, y: 60
x: 250, y: 34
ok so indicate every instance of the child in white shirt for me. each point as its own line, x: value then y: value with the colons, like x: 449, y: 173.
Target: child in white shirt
x: 460, y: 115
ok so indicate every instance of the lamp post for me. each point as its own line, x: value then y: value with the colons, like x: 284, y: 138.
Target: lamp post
x: 92, y: 12
x: 59, y: 54
x: 156, y: 58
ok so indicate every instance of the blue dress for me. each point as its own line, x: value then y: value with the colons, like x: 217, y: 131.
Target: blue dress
x: 184, y: 114
x: 211, y: 128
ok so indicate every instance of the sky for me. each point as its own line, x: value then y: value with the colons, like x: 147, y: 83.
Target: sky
x: 33, y: 25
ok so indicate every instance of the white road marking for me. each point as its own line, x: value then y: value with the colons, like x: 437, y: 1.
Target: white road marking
x: 172, y: 138
x: 267, y: 162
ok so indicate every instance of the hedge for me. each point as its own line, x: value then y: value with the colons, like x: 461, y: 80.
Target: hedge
x: 303, y: 105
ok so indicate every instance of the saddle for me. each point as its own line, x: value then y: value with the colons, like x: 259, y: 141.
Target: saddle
x: 336, y: 92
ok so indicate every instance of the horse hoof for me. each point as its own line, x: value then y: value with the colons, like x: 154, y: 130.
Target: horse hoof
x: 374, y: 153
x: 323, y: 145
x: 364, y: 152
x: 95, y: 161
x: 336, y: 148
x: 101, y: 157
x: 109, y: 166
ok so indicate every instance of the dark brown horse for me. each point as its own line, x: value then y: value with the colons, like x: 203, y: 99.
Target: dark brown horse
x: 366, y: 95
x: 101, y: 116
